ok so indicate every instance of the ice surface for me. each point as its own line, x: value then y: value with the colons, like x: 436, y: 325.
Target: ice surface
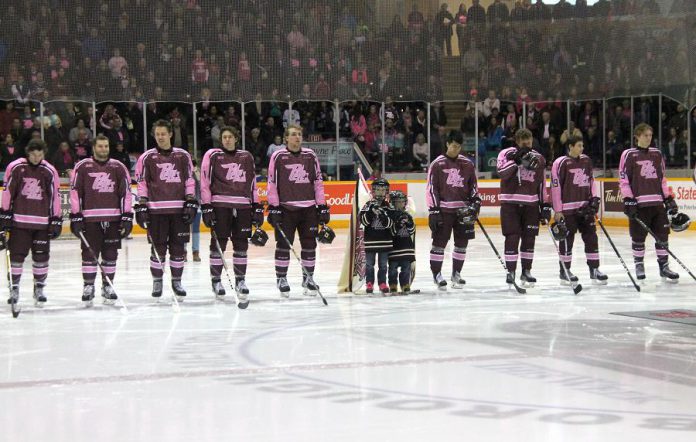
x: 481, y: 363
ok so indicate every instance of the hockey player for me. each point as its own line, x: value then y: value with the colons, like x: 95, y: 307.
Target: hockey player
x: 31, y: 214
x: 403, y: 252
x: 101, y: 210
x: 524, y: 201
x: 647, y: 196
x: 230, y: 206
x: 166, y: 205
x: 453, y: 205
x: 296, y: 203
x: 375, y: 216
x: 575, y: 204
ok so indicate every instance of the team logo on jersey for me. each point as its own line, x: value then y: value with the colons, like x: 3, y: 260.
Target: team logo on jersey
x: 580, y: 178
x: 31, y: 189
x: 235, y: 173
x: 454, y: 179
x: 169, y: 174
x: 527, y: 175
x: 647, y: 169
x: 102, y: 182
x: 298, y: 174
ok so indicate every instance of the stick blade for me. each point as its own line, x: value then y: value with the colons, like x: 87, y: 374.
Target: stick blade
x: 577, y: 289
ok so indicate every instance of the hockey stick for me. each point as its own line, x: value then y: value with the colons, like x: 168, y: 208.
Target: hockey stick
x: 175, y: 301
x: 15, y: 307
x: 628, y: 272
x: 519, y: 289
x: 299, y: 261
x: 241, y: 305
x: 663, y: 244
x: 575, y: 288
x: 104, y: 275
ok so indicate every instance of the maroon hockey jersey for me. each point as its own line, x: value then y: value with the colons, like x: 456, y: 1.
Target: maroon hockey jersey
x: 642, y: 176
x: 228, y: 179
x: 165, y: 178
x: 31, y: 193
x: 519, y: 185
x: 451, y: 183
x: 101, y: 191
x: 294, y: 179
x: 572, y: 183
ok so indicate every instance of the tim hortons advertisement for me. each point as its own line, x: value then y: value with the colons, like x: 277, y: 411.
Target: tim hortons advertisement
x: 613, y: 202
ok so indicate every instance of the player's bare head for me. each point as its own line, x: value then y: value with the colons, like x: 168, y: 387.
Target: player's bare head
x: 228, y: 137
x: 454, y: 141
x: 163, y: 134
x: 101, y: 148
x: 643, y: 133
x: 523, y: 138
x: 575, y: 146
x: 293, y: 136
x: 36, y: 149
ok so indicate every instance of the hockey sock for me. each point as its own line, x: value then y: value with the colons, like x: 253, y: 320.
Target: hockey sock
x: 239, y: 260
x: 282, y: 261
x: 109, y: 257
x: 308, y: 257
x: 215, y: 264
x: 565, y: 248
x: 176, y: 266
x: 156, y: 269
x: 458, y: 257
x: 511, y: 244
x: 638, y: 251
x: 527, y: 251
x: 661, y: 252
x: 591, y: 249
x: 17, y: 268
x: 40, y: 267
x: 89, y: 271
x: 437, y: 255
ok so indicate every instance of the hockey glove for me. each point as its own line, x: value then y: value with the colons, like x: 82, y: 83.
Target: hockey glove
x: 434, y: 218
x: 324, y: 213
x: 5, y: 220
x: 545, y: 213
x: 256, y: 215
x: 77, y: 223
x: 475, y: 203
x: 275, y: 216
x: 126, y: 226
x: 530, y: 161
x: 190, y: 210
x: 630, y: 207
x: 593, y: 206
x: 55, y: 226
x: 209, y: 215
x: 518, y: 155
x: 671, y: 206
x: 142, y: 215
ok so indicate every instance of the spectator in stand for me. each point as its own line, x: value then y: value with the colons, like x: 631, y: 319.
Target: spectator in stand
x: 179, y: 133
x: 9, y: 152
x: 476, y: 15
x: 460, y: 19
x: 215, y: 131
x: 116, y: 64
x: 200, y: 74
x: 276, y: 145
x: 254, y: 144
x: 64, y: 159
x: 489, y: 103
x: 442, y: 28
x: 119, y: 153
x: 494, y: 135
x: 472, y: 61
x: 421, y: 152
x: 54, y: 134
x: 416, y: 21
x: 342, y: 89
x: 106, y: 121
x: 498, y: 12
x: 83, y: 144
x: 21, y: 91
x: 358, y: 126
x: 322, y: 90
x: 546, y: 130
x: 572, y: 131
x: 7, y: 115
x: 17, y: 132
x: 119, y: 134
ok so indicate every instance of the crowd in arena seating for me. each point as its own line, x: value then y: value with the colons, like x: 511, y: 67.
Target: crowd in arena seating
x: 518, y: 65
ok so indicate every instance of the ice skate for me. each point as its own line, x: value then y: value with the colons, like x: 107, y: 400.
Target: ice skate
x: 218, y: 289
x: 640, y: 271
x: 109, y: 295
x: 156, y: 288
x: 597, y: 277
x: 242, y: 290
x: 88, y: 295
x: 283, y: 286
x: 457, y: 281
x: 179, y: 291
x: 39, y: 297
x: 527, y: 279
x: 564, y: 278
x: 310, y: 287
x: 440, y: 282
x: 667, y: 274
x: 510, y: 278
x: 14, y: 295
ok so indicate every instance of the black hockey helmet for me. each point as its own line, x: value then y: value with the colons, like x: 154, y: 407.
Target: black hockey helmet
x: 259, y: 238
x: 680, y: 222
x: 325, y: 235
x: 466, y: 215
x: 380, y: 189
x: 559, y: 230
x: 397, y: 196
